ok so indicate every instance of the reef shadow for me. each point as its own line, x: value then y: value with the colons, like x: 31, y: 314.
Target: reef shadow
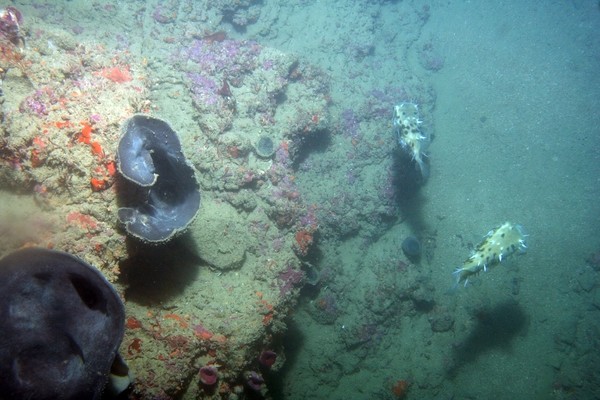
x: 154, y: 274
x: 407, y: 182
x: 496, y: 328
x: 293, y: 342
x: 317, y: 142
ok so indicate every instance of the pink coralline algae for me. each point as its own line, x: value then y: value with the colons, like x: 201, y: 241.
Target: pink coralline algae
x: 350, y: 124
x: 229, y: 57
x: 204, y: 90
x: 381, y: 101
x: 218, y: 61
x: 268, y: 64
x: 36, y: 106
x: 289, y: 279
x: 309, y: 221
x: 277, y: 244
x: 282, y: 155
x: 286, y: 188
x: 163, y: 15
x: 36, y: 103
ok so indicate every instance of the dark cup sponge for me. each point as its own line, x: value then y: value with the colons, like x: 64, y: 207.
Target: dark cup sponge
x: 265, y: 147
x: 412, y: 248
x: 61, y: 323
x: 149, y: 156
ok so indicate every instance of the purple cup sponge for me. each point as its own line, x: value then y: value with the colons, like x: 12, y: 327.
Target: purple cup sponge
x: 61, y: 323
x: 208, y: 375
x: 267, y: 358
x: 255, y: 381
x: 149, y: 156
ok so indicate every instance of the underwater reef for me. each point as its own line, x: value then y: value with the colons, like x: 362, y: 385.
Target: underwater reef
x: 202, y: 286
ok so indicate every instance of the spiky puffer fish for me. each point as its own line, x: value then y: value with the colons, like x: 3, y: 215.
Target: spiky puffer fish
x: 497, y: 245
x: 410, y: 137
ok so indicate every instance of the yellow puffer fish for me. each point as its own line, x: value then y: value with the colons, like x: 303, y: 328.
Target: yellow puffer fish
x: 410, y: 136
x: 497, y: 245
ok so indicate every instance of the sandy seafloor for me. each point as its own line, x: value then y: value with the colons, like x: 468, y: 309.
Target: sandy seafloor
x: 509, y: 93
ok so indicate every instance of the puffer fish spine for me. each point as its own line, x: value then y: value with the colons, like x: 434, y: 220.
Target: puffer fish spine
x: 496, y: 246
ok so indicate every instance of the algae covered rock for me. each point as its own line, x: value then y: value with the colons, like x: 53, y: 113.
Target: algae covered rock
x: 220, y: 235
